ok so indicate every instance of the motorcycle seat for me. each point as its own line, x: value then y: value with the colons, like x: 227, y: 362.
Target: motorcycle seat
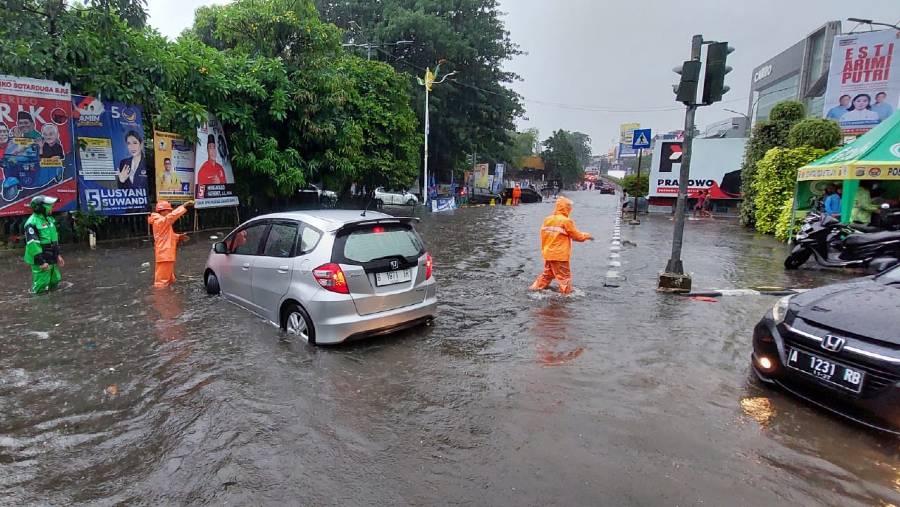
x: 872, y: 237
x: 864, y: 228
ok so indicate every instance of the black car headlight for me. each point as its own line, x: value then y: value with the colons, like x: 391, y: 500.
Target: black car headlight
x: 780, y: 310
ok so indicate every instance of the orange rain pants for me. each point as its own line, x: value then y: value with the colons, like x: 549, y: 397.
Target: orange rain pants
x: 164, y: 274
x: 558, y: 270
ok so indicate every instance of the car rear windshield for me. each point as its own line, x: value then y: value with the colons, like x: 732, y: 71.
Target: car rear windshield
x: 380, y: 241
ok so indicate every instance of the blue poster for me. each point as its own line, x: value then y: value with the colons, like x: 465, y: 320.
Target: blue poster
x: 112, y: 167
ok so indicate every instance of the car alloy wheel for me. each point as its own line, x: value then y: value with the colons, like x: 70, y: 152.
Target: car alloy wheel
x: 296, y: 324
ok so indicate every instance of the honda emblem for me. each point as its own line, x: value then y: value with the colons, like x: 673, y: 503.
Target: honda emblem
x: 833, y: 343
x: 395, y: 265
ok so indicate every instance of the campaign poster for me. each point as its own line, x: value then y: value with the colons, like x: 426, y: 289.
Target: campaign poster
x: 36, y: 144
x: 214, y: 184
x: 112, y: 167
x: 481, y: 176
x: 174, y: 163
x: 498, y: 178
x: 863, y: 81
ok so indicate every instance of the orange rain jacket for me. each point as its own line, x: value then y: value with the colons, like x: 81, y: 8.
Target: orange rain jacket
x: 558, y: 231
x: 165, y: 238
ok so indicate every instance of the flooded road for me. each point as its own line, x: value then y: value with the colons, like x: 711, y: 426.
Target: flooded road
x: 114, y: 393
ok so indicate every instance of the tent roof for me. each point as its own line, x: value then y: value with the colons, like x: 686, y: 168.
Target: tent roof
x: 874, y: 155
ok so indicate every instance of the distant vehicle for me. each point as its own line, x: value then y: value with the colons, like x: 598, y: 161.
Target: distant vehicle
x: 643, y: 204
x: 327, y: 276
x: 607, y: 188
x: 401, y: 197
x: 529, y: 195
x: 324, y: 198
x: 837, y: 347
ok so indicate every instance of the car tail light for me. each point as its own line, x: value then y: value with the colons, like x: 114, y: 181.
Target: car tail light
x: 331, y: 277
x: 429, y: 265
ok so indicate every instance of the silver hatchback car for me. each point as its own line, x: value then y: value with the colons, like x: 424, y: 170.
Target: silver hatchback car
x: 327, y: 276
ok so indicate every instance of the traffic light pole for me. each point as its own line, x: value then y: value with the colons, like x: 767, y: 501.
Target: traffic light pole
x: 674, y: 278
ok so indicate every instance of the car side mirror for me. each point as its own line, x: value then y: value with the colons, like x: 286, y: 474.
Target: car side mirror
x: 220, y: 248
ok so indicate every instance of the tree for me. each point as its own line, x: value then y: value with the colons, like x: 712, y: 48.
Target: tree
x: 582, y: 144
x: 522, y: 144
x: 561, y: 159
x: 815, y: 132
x: 636, y: 187
x: 766, y: 135
x: 475, y: 110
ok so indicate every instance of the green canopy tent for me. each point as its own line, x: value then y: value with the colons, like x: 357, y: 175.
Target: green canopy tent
x: 875, y: 156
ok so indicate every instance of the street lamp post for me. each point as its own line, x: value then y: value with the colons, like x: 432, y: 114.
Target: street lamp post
x: 874, y: 23
x: 428, y: 82
x: 370, y: 45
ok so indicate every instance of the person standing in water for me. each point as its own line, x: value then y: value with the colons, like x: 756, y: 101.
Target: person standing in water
x: 42, y: 245
x: 557, y: 233
x: 165, y: 240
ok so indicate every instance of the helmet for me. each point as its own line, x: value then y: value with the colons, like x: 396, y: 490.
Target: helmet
x: 163, y: 206
x: 42, y: 204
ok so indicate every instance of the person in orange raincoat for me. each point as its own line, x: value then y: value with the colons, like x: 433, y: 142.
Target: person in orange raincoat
x: 165, y: 240
x: 516, y: 194
x: 557, y: 234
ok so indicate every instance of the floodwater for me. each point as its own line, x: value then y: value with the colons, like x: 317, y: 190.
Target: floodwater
x: 114, y: 393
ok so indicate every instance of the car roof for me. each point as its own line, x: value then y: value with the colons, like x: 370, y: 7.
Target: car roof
x: 326, y: 219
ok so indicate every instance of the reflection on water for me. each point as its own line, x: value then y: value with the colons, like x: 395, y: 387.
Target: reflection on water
x: 114, y: 393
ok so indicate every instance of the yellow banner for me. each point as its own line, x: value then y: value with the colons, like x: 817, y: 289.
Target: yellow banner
x: 849, y: 172
x: 174, y: 167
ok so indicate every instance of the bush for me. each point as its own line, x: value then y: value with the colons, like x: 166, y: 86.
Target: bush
x: 772, y: 133
x: 783, y: 226
x: 86, y: 221
x: 776, y: 177
x: 636, y: 187
x: 815, y: 132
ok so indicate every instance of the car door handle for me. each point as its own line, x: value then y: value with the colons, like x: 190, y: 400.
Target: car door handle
x: 283, y: 269
x: 246, y: 266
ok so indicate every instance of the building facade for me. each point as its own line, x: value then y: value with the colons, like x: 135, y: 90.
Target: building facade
x: 800, y: 73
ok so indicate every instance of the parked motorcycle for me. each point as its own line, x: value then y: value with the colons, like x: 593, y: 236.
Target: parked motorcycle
x: 837, y: 245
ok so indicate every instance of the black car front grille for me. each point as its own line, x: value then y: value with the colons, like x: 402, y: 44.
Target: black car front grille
x: 878, y: 378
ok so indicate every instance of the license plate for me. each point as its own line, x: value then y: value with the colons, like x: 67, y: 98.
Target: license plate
x: 826, y: 370
x: 392, y: 277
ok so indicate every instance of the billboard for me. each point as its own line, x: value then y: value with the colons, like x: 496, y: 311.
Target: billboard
x: 214, y: 183
x: 112, y: 169
x: 626, y: 132
x: 36, y: 144
x: 715, y: 166
x: 174, y: 167
x: 863, y: 81
x: 481, y: 176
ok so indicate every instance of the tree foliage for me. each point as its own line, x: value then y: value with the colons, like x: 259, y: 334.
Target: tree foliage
x: 474, y: 110
x: 636, y: 186
x: 768, y: 134
x: 295, y: 107
x: 561, y: 158
x: 522, y: 144
x: 776, y: 177
x: 816, y: 132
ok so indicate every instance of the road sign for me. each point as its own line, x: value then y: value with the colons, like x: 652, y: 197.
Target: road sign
x: 641, y: 139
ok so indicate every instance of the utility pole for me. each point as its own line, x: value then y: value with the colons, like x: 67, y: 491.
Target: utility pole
x: 635, y: 220
x: 674, y: 278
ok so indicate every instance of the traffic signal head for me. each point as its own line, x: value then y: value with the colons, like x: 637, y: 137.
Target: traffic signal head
x: 686, y: 89
x: 714, y: 80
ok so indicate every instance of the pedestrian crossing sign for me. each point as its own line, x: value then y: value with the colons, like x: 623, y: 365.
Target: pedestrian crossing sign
x: 641, y: 139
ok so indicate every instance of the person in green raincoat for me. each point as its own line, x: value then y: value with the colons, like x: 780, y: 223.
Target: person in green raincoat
x: 42, y: 245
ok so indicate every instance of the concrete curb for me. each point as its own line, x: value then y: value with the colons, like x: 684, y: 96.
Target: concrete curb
x: 613, y: 278
x: 760, y: 291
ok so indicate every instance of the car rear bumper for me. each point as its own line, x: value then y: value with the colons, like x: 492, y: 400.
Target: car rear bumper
x: 880, y: 410
x: 336, y: 321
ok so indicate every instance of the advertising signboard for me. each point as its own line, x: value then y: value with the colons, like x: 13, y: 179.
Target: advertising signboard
x: 481, y: 176
x: 715, y: 166
x: 174, y: 167
x: 214, y: 184
x: 864, y: 80
x: 36, y: 144
x: 112, y: 170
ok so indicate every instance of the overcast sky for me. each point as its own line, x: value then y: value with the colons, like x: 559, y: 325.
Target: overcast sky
x: 584, y: 55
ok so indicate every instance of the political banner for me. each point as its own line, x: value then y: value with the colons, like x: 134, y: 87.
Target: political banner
x: 112, y: 169
x: 481, y: 176
x: 863, y: 81
x: 174, y: 162
x: 715, y: 167
x: 214, y: 185
x: 498, y: 178
x: 36, y: 144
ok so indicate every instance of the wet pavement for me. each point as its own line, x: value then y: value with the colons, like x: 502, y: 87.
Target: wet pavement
x: 114, y: 393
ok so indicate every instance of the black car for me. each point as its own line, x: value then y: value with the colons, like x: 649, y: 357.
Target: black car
x: 837, y: 347
x: 606, y: 188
